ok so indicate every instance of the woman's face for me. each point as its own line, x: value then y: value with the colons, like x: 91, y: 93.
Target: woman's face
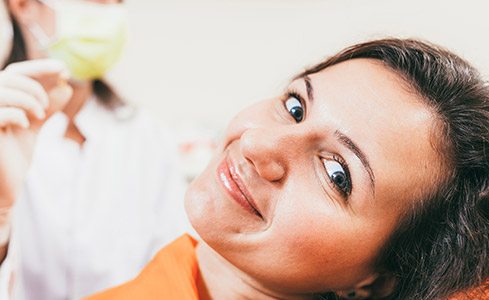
x: 46, y: 15
x: 305, y: 204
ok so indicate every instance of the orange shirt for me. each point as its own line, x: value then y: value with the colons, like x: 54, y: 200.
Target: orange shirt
x: 172, y: 274
x: 476, y: 294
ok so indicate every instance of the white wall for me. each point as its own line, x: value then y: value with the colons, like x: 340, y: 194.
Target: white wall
x: 200, y: 61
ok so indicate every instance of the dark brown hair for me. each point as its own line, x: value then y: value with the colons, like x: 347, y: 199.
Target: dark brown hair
x: 441, y: 246
x: 104, y: 92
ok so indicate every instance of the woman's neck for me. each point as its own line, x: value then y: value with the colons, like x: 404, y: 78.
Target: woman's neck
x: 221, y: 280
x: 82, y: 91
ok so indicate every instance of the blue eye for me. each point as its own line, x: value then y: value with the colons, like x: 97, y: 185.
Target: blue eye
x: 294, y: 107
x: 338, y: 175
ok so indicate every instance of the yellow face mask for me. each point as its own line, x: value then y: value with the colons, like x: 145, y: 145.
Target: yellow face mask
x: 89, y: 36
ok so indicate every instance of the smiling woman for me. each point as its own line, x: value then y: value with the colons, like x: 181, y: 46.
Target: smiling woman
x: 367, y: 179
x: 330, y: 187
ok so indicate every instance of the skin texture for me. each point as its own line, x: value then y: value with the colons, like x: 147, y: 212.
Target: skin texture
x: 311, y: 238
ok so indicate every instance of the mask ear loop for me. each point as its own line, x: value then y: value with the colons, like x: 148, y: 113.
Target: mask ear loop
x: 40, y: 35
x: 38, y: 32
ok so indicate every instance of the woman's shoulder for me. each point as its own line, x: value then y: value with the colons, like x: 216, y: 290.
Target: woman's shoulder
x: 172, y: 274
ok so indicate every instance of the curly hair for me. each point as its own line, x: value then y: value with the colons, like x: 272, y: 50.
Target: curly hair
x: 440, y: 246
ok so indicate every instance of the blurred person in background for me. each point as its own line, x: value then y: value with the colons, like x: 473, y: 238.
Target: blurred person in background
x: 100, y: 194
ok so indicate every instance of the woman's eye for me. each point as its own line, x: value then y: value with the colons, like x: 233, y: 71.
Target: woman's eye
x: 294, y: 107
x: 338, y: 175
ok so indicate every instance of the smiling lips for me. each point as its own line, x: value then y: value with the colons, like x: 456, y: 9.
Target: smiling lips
x: 232, y: 183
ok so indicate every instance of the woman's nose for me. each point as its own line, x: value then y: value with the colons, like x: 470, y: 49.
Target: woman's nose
x: 270, y: 151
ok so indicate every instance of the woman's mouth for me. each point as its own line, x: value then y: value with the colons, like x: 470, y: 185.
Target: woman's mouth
x: 233, y: 184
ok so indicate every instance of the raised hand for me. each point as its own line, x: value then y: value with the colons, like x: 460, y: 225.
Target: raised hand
x: 29, y: 93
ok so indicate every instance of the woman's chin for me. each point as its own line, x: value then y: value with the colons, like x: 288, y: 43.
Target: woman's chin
x: 198, y: 204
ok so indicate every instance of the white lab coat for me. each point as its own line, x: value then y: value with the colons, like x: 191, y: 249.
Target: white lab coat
x: 91, y: 217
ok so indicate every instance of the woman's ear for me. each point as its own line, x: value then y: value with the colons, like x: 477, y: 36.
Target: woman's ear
x: 377, y: 286
x: 21, y: 10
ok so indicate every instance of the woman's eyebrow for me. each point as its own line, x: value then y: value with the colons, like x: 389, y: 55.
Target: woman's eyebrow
x: 345, y: 140
x: 309, y: 89
x: 348, y: 143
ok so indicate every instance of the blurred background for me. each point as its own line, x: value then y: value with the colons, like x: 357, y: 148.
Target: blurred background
x: 195, y: 63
